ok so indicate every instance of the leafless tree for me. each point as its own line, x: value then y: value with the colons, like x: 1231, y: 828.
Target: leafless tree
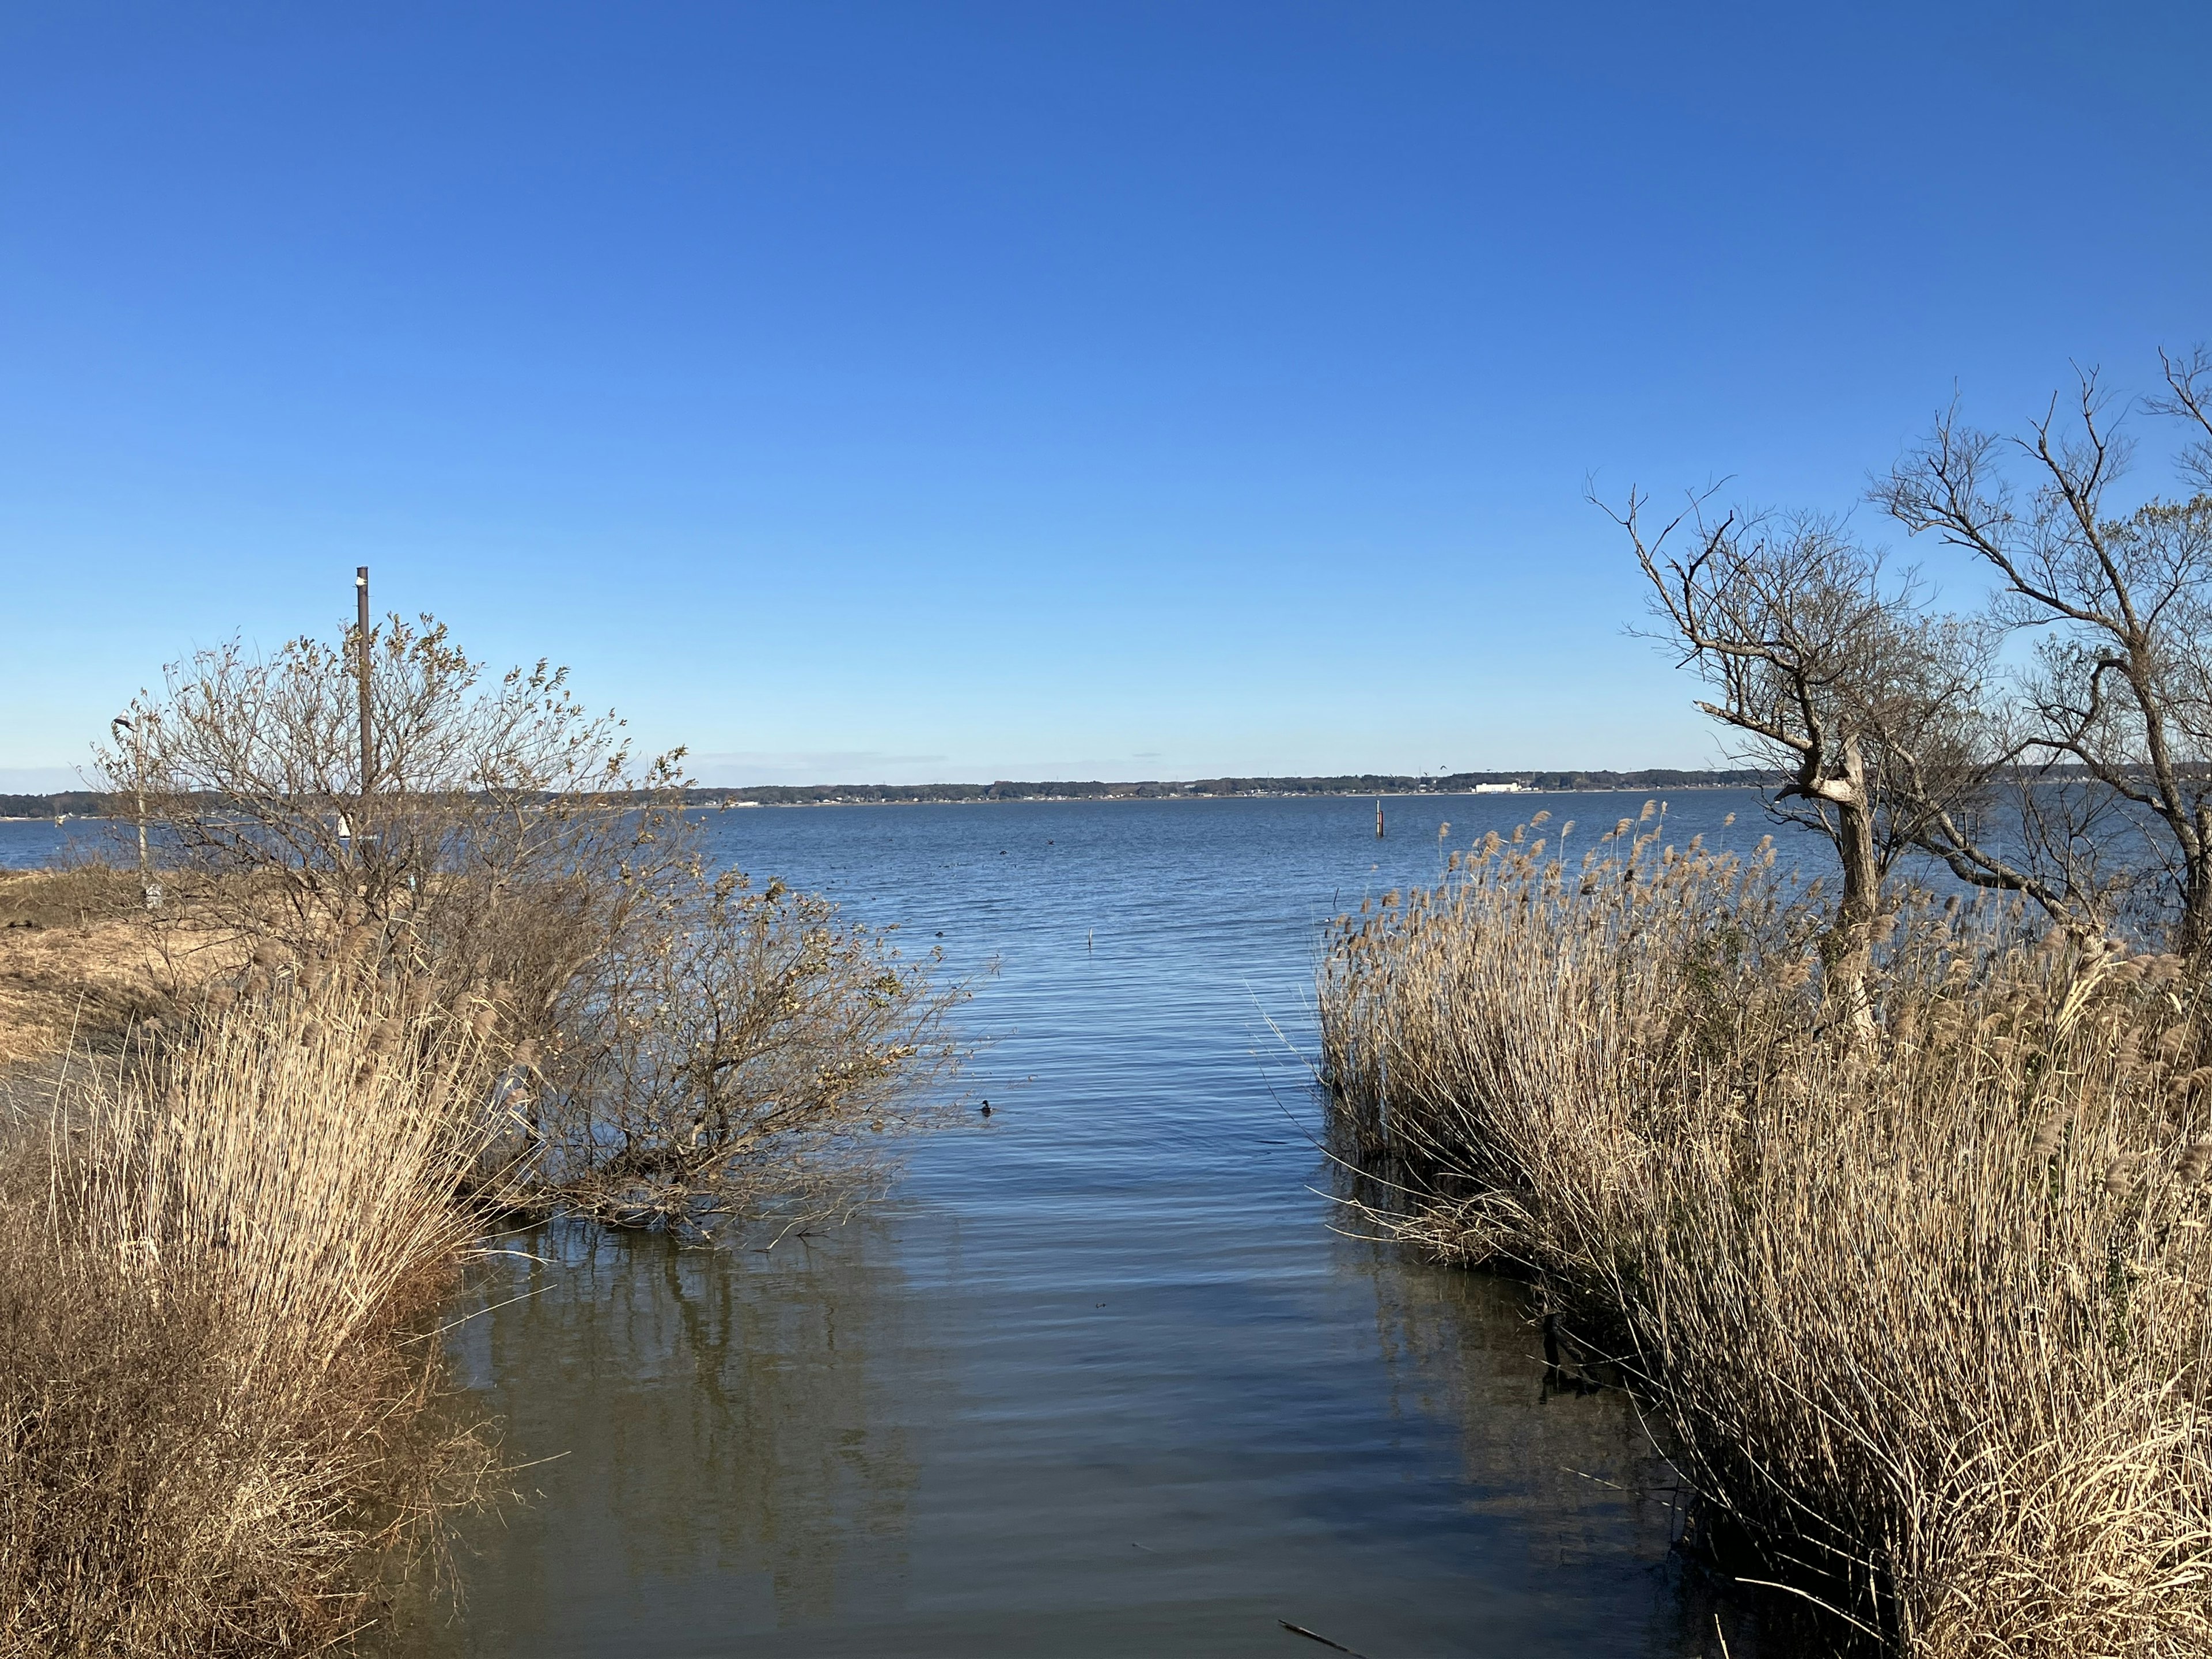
x: 1847, y: 687
x: 250, y: 770
x: 2116, y: 710
x: 688, y: 1044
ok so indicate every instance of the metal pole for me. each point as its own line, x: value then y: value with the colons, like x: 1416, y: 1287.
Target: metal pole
x: 119, y: 725
x: 138, y: 780
x: 360, y: 668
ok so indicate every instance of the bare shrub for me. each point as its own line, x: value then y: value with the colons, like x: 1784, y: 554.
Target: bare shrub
x: 743, y: 1057
x: 1927, y: 1310
x: 503, y: 825
x: 695, y: 1046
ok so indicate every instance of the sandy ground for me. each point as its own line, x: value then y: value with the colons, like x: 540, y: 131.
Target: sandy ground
x: 79, y: 962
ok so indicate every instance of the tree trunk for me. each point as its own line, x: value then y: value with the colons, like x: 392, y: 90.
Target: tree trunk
x: 2193, y: 936
x: 1850, y: 948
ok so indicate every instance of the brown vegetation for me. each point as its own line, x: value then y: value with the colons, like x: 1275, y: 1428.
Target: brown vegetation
x: 743, y: 1055
x: 77, y: 963
x: 699, y: 1046
x: 214, y: 1266
x: 390, y: 987
x: 1924, y: 1306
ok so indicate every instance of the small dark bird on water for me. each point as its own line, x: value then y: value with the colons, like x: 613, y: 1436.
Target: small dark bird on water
x: 986, y: 1108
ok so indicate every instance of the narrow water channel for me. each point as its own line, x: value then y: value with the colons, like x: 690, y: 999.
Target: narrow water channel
x: 1102, y: 1377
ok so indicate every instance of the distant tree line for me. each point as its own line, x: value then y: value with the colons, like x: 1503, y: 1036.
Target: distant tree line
x: 1362, y: 783
x: 77, y: 803
x: 84, y: 803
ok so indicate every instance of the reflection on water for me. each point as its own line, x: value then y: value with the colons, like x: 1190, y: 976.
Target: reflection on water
x: 1101, y: 1379
x: 717, y: 1428
x: 1566, y: 1460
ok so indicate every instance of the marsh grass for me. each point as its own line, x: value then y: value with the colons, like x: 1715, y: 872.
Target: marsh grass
x: 217, y: 1272
x: 1923, y: 1311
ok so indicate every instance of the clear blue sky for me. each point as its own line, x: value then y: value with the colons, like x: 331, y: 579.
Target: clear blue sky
x: 949, y: 390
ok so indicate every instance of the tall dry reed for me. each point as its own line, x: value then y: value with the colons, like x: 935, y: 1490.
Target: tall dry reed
x: 1926, y: 1311
x: 213, y: 1367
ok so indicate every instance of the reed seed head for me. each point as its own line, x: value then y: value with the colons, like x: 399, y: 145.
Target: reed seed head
x: 2190, y: 1172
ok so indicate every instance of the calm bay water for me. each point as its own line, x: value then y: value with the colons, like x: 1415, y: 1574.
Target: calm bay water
x: 1101, y: 1377
x: 27, y: 843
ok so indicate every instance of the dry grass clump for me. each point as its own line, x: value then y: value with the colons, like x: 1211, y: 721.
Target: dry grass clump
x: 213, y: 1363
x: 1926, y: 1310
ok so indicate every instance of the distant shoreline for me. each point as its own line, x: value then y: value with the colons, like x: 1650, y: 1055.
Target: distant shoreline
x: 715, y: 803
x: 90, y: 804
